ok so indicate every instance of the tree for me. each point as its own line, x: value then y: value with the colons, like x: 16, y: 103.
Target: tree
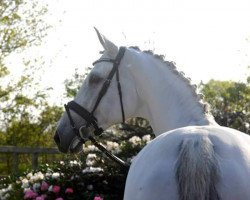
x: 73, y: 84
x: 21, y: 26
x: 24, y: 114
x: 230, y: 102
x: 26, y: 117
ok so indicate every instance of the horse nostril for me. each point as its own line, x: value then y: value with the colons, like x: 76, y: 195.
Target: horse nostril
x: 57, y: 138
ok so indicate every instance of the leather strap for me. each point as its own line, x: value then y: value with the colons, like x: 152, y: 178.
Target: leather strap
x: 107, y: 82
x: 104, y: 60
x: 89, y: 116
x: 120, y: 95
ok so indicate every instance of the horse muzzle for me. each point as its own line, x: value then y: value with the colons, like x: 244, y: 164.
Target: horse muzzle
x: 58, y: 142
x: 73, y: 145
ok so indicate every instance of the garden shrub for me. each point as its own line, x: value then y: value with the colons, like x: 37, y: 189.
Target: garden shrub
x: 87, y: 176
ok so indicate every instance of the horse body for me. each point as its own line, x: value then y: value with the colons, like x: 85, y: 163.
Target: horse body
x: 192, y: 157
x: 154, y: 169
x: 170, y: 102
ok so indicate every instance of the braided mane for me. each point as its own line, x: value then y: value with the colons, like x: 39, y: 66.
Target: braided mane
x: 172, y: 66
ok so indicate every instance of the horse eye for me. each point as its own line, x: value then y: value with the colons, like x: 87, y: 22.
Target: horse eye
x: 94, y: 79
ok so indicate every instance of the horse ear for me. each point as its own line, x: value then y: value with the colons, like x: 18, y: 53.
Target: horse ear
x: 109, y: 46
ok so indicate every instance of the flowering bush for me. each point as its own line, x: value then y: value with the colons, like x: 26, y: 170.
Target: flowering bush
x: 90, y: 176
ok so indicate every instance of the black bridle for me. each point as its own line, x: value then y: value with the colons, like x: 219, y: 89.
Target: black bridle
x: 83, y: 133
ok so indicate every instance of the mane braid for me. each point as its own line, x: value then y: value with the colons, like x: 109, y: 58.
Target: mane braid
x: 172, y: 66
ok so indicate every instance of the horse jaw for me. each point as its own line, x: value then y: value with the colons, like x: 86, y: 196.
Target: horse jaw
x: 109, y: 46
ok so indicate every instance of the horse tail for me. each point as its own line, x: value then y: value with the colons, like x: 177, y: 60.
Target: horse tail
x: 197, y: 170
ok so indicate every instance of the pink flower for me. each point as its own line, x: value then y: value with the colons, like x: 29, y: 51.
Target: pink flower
x: 98, y: 198
x: 69, y: 191
x: 44, y: 186
x: 40, y: 198
x: 56, y: 189
x: 30, y: 194
x: 59, y: 198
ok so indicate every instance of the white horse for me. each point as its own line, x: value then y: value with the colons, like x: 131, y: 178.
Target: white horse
x: 192, y: 158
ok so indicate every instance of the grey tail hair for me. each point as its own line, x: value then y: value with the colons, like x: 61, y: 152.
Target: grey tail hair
x: 197, y: 170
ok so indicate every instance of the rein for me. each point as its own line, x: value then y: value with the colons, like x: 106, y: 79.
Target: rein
x: 83, y: 133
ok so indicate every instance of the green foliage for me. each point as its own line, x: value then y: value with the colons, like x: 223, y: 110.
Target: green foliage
x: 21, y: 25
x: 26, y: 117
x: 24, y: 108
x: 73, y: 85
x: 230, y: 102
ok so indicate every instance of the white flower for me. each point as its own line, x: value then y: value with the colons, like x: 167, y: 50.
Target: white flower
x: 135, y: 140
x: 113, y: 147
x: 25, y: 183
x: 36, y: 177
x: 39, y: 176
x: 29, y: 175
x: 25, y: 180
x: 55, y: 175
x: 146, y: 138
x: 92, y: 170
x: 48, y: 174
x: 90, y: 160
x: 91, y: 156
x: 247, y: 125
x: 74, y: 163
x: 90, y: 148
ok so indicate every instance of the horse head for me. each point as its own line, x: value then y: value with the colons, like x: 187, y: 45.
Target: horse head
x: 104, y: 99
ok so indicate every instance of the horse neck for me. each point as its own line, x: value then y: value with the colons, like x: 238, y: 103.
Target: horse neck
x: 165, y: 97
